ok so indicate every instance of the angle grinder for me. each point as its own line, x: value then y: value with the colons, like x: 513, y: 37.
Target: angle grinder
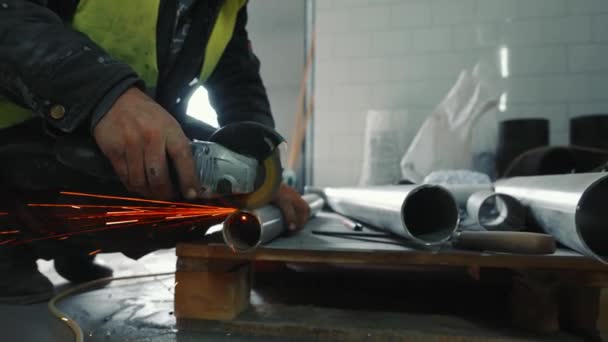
x: 238, y: 166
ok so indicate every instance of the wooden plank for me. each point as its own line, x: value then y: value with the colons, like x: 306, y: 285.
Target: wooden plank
x: 212, y: 295
x: 391, y: 258
x: 303, y: 113
x: 309, y: 246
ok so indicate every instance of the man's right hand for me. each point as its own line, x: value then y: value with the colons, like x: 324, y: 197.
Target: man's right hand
x: 138, y: 136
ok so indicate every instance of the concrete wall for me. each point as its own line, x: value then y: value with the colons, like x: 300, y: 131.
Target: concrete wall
x: 406, y: 54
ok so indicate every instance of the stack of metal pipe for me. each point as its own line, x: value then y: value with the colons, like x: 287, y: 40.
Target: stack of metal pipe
x: 572, y: 208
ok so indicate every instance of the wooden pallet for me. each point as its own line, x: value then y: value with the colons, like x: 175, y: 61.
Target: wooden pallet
x: 214, y: 283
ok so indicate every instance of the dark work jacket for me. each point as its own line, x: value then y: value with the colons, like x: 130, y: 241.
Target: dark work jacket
x: 44, y: 62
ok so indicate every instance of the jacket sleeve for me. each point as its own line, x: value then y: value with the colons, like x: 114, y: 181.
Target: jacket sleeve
x: 44, y: 64
x: 235, y: 88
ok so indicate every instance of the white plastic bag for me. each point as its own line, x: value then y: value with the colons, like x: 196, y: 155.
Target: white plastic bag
x: 386, y: 139
x: 444, y: 140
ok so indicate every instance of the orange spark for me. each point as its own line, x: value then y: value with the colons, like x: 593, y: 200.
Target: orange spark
x: 179, y: 217
x: 9, y: 232
x: 7, y: 241
x: 95, y: 252
x: 94, y: 206
x: 131, y: 199
x: 122, y: 212
x: 66, y: 235
x: 90, y: 218
x: 120, y: 222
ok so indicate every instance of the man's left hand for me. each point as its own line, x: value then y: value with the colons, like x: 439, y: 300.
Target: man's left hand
x: 295, y: 210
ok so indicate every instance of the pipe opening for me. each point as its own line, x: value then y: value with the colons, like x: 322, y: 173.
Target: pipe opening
x: 493, y: 211
x: 501, y: 212
x: 242, y: 231
x: 430, y: 213
x: 592, y: 218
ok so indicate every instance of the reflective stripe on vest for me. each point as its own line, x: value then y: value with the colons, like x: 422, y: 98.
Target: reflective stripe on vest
x: 127, y: 31
x: 12, y: 114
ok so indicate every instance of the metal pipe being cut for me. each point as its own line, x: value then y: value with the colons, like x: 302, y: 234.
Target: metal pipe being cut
x: 425, y: 214
x: 244, y: 231
x: 573, y: 208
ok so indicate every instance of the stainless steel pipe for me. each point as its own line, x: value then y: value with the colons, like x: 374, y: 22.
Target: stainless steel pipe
x: 494, y: 211
x: 462, y: 192
x: 425, y: 214
x: 244, y: 231
x: 573, y: 208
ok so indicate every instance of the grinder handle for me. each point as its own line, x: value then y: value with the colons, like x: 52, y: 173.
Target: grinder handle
x: 506, y: 242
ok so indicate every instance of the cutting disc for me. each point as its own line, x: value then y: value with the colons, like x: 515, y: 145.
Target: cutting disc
x: 261, y: 142
x: 269, y: 178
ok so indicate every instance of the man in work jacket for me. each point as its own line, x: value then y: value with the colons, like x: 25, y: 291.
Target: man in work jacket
x: 121, y: 72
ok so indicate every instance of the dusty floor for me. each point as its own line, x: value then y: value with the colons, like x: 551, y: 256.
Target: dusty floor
x: 138, y: 310
x: 142, y: 310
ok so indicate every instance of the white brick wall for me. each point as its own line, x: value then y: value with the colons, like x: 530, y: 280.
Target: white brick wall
x: 541, y: 8
x: 496, y: 10
x: 405, y: 54
x: 410, y: 14
x: 587, y: 6
x: 588, y: 58
x: 277, y: 31
x: 446, y: 12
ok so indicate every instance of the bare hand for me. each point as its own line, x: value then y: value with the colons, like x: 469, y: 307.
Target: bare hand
x: 295, y: 210
x: 138, y: 135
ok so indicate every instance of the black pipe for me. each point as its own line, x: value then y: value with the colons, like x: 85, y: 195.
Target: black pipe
x: 589, y: 131
x: 518, y: 136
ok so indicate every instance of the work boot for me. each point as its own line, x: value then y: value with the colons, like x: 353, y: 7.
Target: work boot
x: 20, y: 280
x: 81, y: 269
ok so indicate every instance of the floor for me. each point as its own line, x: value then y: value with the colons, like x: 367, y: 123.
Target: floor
x: 142, y: 310
x: 129, y: 310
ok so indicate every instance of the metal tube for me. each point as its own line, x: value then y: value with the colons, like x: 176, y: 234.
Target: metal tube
x: 426, y: 214
x: 494, y: 211
x: 244, y: 231
x: 462, y: 192
x: 570, y: 207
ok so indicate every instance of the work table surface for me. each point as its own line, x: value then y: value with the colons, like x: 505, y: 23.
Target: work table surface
x: 318, y: 243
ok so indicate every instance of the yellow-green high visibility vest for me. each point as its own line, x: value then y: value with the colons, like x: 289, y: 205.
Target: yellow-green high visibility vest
x: 126, y: 29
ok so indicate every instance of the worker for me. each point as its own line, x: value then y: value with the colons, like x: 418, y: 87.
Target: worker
x: 121, y: 72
